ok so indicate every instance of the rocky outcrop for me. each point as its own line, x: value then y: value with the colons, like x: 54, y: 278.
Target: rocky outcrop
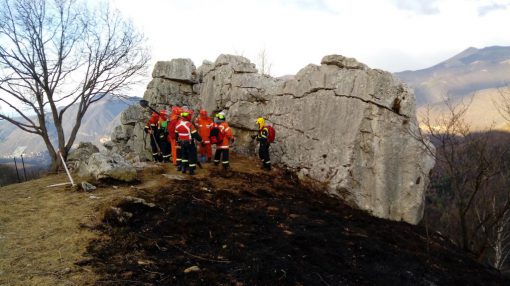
x: 108, y: 166
x: 340, y: 123
x: 81, y: 154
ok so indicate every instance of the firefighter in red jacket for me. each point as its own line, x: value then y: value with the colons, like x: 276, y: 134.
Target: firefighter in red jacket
x: 204, y: 124
x: 262, y: 138
x: 186, y: 134
x: 152, y: 129
x: 222, y: 148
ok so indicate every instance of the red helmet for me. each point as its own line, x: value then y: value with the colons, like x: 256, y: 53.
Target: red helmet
x: 155, y: 116
x: 203, y: 113
x: 176, y: 110
x: 164, y: 114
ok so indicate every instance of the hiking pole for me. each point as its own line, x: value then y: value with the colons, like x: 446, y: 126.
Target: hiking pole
x: 157, y: 145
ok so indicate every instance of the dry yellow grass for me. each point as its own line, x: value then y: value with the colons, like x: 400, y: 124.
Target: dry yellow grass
x: 42, y: 233
x: 45, y: 231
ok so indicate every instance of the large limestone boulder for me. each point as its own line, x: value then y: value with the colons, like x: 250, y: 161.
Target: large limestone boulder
x: 81, y: 154
x: 132, y: 115
x: 340, y: 123
x: 108, y: 166
x: 177, y: 69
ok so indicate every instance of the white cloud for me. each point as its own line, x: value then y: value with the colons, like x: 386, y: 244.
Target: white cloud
x: 389, y: 34
x: 426, y: 7
x: 486, y: 9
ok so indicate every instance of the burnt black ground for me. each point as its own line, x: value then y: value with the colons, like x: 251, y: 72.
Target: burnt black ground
x: 250, y: 228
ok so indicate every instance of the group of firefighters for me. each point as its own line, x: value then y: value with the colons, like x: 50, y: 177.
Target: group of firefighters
x: 173, y: 138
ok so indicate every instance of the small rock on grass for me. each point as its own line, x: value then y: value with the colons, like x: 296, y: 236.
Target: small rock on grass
x: 192, y: 269
x: 87, y: 187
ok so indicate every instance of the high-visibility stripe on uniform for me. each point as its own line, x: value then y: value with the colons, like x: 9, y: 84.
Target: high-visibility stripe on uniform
x: 222, y: 147
x: 183, y: 123
x: 192, y: 165
x: 225, y: 162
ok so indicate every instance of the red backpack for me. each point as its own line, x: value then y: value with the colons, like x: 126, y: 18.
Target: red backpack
x: 271, y: 133
x: 216, y: 136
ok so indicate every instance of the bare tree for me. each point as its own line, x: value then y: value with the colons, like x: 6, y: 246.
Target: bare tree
x: 497, y: 232
x: 58, y: 53
x: 263, y: 63
x: 469, y: 183
x: 502, y: 102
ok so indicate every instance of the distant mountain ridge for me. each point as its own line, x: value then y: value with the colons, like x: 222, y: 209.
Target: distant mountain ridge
x: 96, y: 127
x: 461, y: 75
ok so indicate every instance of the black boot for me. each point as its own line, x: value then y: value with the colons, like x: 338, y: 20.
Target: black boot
x: 192, y: 172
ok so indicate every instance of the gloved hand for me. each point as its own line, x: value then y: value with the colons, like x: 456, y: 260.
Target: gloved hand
x: 253, y: 137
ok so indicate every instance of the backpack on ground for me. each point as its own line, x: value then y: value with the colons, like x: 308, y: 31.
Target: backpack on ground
x: 216, y: 136
x: 271, y: 133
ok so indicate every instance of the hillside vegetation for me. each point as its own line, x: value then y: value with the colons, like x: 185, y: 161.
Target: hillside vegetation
x: 245, y: 227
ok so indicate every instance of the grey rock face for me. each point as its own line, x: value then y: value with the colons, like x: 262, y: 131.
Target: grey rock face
x: 132, y: 115
x: 176, y: 69
x: 108, y: 166
x: 341, y: 123
x: 81, y: 154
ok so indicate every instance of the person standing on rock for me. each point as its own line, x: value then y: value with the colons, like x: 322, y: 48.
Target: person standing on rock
x: 204, y: 124
x: 186, y: 135
x: 222, y: 147
x: 264, y: 142
x: 151, y: 128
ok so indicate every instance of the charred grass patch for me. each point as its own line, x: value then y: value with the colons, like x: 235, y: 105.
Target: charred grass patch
x: 252, y: 228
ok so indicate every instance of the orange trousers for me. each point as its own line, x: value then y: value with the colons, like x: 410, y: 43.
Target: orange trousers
x: 174, y: 151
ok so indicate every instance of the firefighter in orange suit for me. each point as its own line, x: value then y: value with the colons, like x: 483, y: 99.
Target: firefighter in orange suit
x: 174, y: 118
x: 204, y: 124
x: 222, y: 148
x: 186, y: 133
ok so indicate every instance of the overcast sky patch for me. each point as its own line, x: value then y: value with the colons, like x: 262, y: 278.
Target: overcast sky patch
x: 484, y: 10
x: 422, y: 7
x: 318, y: 5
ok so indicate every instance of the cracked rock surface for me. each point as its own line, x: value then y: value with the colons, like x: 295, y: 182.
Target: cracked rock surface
x: 340, y: 123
